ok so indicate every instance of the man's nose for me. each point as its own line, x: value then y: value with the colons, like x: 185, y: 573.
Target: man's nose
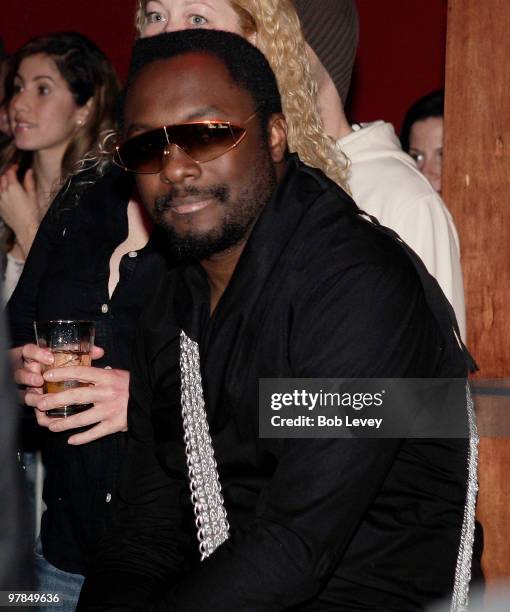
x: 178, y: 167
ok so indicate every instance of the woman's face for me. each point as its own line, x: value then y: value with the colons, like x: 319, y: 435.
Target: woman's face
x: 426, y: 147
x: 171, y: 15
x: 42, y: 112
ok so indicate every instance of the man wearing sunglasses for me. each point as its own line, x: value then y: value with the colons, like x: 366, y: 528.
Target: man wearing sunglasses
x: 280, y: 276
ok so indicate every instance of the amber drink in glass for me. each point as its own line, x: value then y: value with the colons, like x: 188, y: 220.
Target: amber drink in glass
x: 71, y: 343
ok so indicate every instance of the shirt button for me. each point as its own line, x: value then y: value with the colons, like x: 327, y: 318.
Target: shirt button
x: 108, y: 498
x: 104, y: 308
x: 132, y: 254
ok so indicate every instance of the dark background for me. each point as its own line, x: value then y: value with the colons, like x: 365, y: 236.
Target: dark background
x: 400, y: 56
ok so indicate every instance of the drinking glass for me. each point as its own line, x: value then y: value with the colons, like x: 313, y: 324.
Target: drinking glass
x: 71, y: 343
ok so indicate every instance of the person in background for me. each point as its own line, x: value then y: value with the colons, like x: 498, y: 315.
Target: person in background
x: 60, y: 94
x: 5, y: 129
x: 384, y: 180
x: 422, y: 136
x: 95, y: 258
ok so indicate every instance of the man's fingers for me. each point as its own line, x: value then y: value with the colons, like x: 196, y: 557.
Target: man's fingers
x: 99, y: 431
x: 43, y: 419
x: 33, y: 366
x: 32, y: 398
x: 29, y: 379
x: 85, y: 374
x: 91, y: 416
x: 69, y: 397
x: 32, y: 352
x: 56, y: 424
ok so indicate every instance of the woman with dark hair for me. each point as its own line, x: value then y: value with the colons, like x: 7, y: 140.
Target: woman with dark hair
x: 60, y: 93
x: 5, y: 130
x: 422, y: 135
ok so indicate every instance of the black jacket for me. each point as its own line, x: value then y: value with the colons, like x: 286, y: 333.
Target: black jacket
x: 66, y: 277
x: 316, y: 524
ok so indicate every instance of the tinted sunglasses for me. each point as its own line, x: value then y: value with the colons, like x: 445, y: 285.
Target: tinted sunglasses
x: 201, y: 141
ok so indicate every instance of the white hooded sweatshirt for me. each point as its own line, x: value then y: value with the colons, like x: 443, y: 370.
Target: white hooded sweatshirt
x: 386, y: 183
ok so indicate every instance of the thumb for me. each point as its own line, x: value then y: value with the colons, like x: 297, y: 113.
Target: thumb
x: 29, y: 182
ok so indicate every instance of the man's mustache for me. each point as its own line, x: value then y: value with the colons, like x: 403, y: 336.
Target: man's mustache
x: 217, y: 192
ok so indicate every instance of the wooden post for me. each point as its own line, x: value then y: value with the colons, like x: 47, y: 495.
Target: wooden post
x: 476, y: 179
x: 476, y: 188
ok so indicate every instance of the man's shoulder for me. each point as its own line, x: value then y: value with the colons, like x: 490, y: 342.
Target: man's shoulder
x: 335, y: 229
x: 356, y: 243
x: 335, y: 242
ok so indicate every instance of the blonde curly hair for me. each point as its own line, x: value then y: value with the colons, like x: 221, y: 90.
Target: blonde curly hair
x: 279, y: 36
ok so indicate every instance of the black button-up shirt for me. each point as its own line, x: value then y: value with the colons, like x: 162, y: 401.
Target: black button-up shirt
x: 66, y: 277
x: 315, y: 523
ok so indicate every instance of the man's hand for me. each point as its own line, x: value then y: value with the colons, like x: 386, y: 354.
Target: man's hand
x: 107, y: 389
x: 19, y: 207
x: 28, y: 362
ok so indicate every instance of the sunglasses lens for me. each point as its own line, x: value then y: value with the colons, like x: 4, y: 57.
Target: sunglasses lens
x: 143, y: 154
x: 200, y: 141
x: 205, y: 141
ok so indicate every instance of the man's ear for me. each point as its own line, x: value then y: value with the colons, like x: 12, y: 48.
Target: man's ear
x: 277, y: 137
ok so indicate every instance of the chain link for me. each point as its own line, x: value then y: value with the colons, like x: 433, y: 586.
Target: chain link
x: 460, y: 599
x: 210, y: 514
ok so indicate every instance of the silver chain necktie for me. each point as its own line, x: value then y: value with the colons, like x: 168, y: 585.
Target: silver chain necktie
x: 460, y: 599
x: 210, y: 513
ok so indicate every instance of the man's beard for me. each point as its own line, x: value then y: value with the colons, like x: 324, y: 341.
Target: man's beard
x: 238, y: 221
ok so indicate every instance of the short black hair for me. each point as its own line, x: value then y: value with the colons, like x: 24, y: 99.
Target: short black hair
x: 247, y: 66
x: 431, y: 105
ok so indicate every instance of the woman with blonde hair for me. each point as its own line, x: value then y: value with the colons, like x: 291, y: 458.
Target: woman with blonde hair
x: 274, y: 27
x: 60, y: 92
